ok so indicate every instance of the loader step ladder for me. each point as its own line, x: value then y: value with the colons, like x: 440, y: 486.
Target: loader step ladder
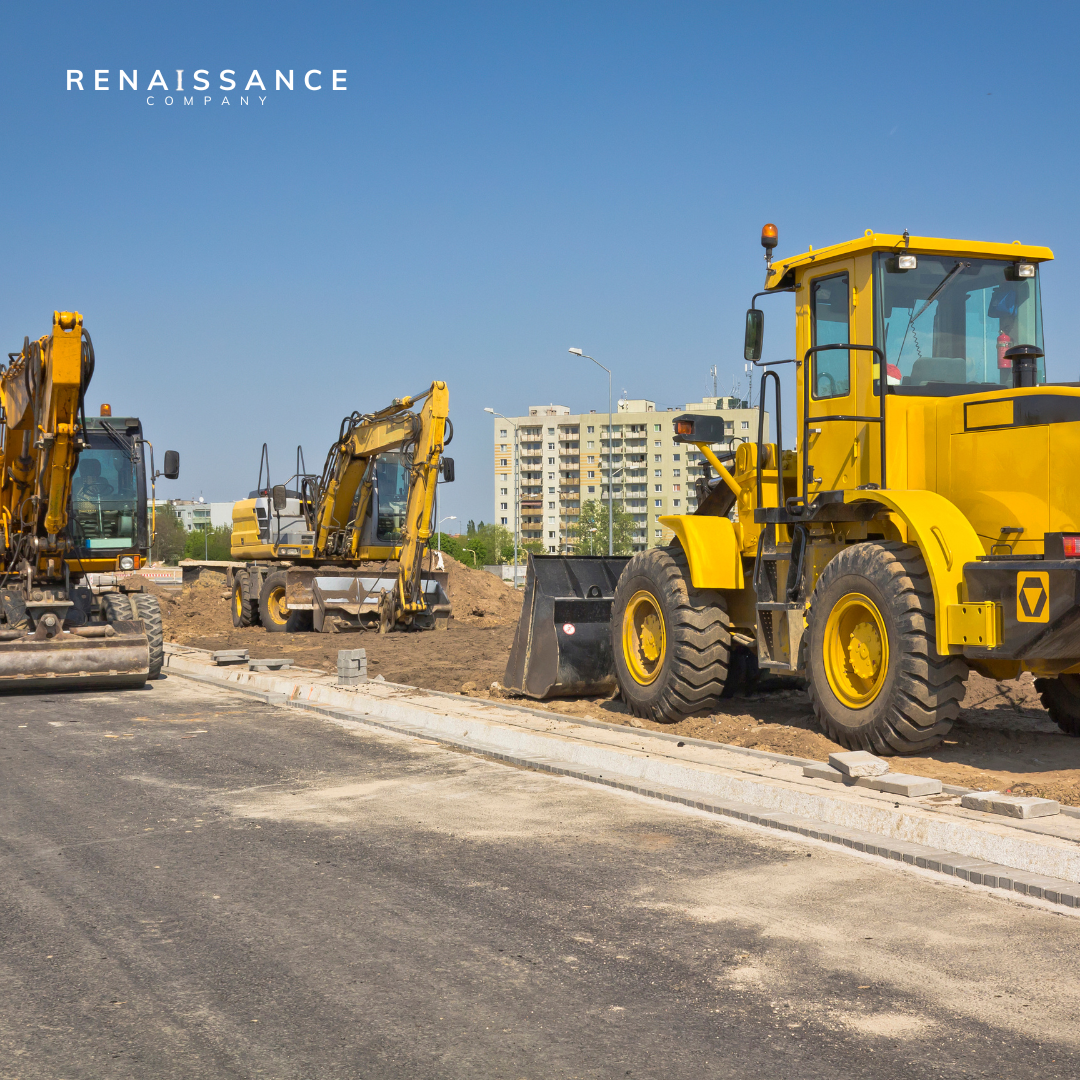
x: 780, y: 621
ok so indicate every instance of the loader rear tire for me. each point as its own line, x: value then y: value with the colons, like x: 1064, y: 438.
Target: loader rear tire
x: 148, y: 609
x: 875, y: 678
x: 245, y: 611
x: 670, y: 640
x: 1061, y: 696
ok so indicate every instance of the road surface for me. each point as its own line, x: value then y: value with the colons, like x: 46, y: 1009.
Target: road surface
x: 194, y: 884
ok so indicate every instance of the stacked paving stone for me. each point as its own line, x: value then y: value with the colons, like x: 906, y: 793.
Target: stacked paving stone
x: 351, y: 667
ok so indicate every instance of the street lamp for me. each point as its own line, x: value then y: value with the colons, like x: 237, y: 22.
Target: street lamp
x: 611, y: 443
x: 517, y: 496
x: 449, y: 517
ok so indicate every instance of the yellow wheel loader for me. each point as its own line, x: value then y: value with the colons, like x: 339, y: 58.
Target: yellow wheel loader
x: 916, y: 531
x: 74, y: 522
x: 301, y: 547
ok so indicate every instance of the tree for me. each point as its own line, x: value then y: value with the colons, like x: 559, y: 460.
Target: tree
x: 209, y: 543
x: 171, y: 536
x: 589, y: 535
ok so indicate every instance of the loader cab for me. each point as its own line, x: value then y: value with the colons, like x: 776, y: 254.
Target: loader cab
x: 108, y: 512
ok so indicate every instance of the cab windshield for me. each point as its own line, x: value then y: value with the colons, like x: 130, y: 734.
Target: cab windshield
x: 104, y: 498
x: 945, y: 326
x: 392, y: 496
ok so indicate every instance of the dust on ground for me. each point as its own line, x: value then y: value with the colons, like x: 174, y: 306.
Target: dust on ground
x: 1004, y: 739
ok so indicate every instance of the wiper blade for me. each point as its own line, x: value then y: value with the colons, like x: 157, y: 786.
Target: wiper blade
x: 941, y: 285
x: 125, y: 444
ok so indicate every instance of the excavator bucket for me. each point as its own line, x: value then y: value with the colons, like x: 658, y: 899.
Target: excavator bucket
x: 562, y: 647
x: 113, y: 656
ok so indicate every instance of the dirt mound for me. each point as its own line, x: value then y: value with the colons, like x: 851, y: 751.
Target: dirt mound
x: 479, y: 598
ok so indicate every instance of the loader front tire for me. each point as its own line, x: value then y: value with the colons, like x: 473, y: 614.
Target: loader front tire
x: 245, y: 612
x: 670, y: 640
x: 117, y: 607
x: 148, y: 609
x: 1061, y: 696
x: 874, y: 675
x: 274, y: 613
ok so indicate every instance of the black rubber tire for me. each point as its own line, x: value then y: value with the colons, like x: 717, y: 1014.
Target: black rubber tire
x: 148, y: 609
x: 117, y: 607
x: 695, y: 666
x: 920, y: 696
x: 295, y: 622
x: 1061, y: 696
x: 245, y: 612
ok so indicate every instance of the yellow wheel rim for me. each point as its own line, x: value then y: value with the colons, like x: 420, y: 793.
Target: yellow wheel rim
x: 644, y: 637
x: 238, y: 604
x: 276, y: 606
x: 856, y: 650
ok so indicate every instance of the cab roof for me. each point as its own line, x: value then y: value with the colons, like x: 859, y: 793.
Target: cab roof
x: 782, y: 271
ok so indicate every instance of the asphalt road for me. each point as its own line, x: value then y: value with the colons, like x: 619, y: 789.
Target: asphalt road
x: 193, y: 885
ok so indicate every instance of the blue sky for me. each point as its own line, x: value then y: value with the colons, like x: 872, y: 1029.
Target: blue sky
x: 497, y: 183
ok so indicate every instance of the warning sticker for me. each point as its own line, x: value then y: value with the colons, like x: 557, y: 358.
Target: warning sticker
x: 1033, y: 596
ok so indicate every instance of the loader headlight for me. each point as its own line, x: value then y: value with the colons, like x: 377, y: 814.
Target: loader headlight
x: 1019, y: 270
x: 126, y: 562
x: 907, y: 262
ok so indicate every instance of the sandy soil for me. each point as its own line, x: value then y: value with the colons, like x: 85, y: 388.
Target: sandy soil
x: 1004, y: 739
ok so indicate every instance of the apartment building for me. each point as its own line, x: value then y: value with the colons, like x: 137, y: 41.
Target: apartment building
x: 551, y: 461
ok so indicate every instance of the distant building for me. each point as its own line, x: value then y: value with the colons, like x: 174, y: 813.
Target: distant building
x: 562, y: 462
x: 194, y: 514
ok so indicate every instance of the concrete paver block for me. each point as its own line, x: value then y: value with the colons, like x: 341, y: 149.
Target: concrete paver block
x: 859, y: 763
x: 901, y: 784
x: 1016, y: 806
x: 823, y: 772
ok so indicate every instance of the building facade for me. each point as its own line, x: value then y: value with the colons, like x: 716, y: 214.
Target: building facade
x: 551, y: 461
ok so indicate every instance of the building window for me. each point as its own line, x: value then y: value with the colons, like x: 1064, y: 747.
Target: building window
x: 675, y: 457
x: 746, y: 425
x: 658, y: 488
x: 551, y: 491
x: 658, y: 472
x: 676, y: 472
x: 502, y: 462
x: 656, y: 427
x: 503, y: 520
x: 676, y: 487
x: 592, y: 474
x: 551, y: 461
x: 592, y: 490
x: 590, y: 429
x: 502, y: 491
x: 658, y: 457
x: 658, y: 503
x: 657, y: 442
x: 551, y: 536
x: 502, y: 433
x: 592, y: 459
x: 659, y: 532
x: 502, y: 506
x: 551, y: 506
x: 674, y: 502
x: 551, y: 550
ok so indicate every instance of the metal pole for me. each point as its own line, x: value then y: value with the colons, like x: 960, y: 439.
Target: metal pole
x: 610, y: 482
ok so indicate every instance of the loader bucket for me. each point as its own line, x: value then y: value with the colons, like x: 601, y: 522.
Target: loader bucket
x: 115, y: 657
x: 562, y: 647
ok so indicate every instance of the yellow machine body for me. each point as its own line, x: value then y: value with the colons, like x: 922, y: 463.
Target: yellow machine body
x: 337, y: 510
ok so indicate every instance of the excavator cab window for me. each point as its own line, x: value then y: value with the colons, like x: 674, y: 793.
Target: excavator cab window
x: 831, y: 326
x: 104, y: 497
x: 392, y: 496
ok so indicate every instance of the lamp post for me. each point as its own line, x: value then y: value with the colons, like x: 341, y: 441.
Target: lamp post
x: 517, y: 496
x: 611, y: 443
x: 449, y: 517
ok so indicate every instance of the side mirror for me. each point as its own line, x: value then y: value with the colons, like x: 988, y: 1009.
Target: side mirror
x: 755, y: 334
x: 172, y: 465
x: 280, y: 497
x: 446, y: 467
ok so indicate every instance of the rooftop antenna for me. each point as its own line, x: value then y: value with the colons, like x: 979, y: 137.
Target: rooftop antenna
x: 712, y: 372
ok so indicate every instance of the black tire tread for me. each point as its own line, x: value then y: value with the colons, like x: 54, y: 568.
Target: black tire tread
x: 249, y: 610
x: 148, y: 609
x: 699, y: 641
x: 929, y: 687
x: 1061, y: 697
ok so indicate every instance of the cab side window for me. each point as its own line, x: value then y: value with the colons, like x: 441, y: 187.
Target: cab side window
x: 831, y: 322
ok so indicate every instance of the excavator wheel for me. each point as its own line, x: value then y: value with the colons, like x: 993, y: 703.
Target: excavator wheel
x: 148, y: 609
x: 1061, y: 696
x: 670, y: 640
x: 245, y: 612
x: 273, y: 612
x: 118, y: 607
x: 874, y: 675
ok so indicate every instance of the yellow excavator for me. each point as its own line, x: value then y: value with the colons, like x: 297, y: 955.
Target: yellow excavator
x: 303, y: 548
x: 73, y: 524
x: 925, y: 524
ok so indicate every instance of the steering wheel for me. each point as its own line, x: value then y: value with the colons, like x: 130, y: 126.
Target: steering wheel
x: 832, y: 384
